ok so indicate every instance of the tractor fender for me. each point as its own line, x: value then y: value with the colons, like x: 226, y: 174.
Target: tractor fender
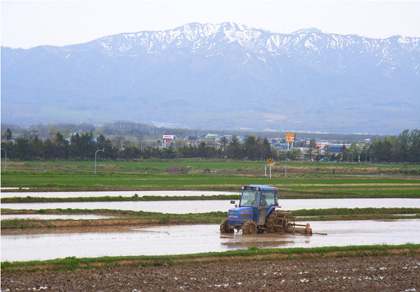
x: 271, y: 209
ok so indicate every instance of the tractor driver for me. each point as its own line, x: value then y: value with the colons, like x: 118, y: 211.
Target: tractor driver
x: 263, y: 201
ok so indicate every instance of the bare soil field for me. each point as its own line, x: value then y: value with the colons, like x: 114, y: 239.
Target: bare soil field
x: 367, y: 273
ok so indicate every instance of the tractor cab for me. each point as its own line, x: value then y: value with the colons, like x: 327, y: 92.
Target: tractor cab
x: 256, y: 203
x: 261, y: 199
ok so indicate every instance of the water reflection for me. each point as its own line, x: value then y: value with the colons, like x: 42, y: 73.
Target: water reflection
x: 112, y: 194
x: 164, y: 240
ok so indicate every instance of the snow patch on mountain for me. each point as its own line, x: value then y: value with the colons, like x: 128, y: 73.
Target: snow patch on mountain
x: 220, y: 75
x: 195, y: 37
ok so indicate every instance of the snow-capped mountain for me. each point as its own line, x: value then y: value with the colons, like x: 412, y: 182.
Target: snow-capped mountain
x: 220, y: 76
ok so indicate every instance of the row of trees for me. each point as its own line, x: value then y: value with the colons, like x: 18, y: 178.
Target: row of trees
x: 84, y: 146
x: 402, y: 148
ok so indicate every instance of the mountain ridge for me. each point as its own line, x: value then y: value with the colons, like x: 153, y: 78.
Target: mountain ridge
x: 218, y: 76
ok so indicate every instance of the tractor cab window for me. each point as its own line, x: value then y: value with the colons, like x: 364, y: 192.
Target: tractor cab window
x: 249, y: 198
x: 268, y: 198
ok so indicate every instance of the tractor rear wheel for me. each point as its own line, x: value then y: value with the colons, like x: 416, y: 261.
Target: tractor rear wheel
x: 275, y: 222
x: 249, y: 227
x: 225, y: 228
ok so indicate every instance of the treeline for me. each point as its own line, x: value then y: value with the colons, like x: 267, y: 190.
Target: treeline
x: 84, y: 146
x: 402, y: 148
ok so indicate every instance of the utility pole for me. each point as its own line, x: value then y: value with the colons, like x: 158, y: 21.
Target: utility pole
x: 285, y: 164
x: 270, y: 161
x: 99, y: 150
x: 5, y: 159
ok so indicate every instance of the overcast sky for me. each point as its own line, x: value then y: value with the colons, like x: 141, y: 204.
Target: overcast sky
x: 26, y: 24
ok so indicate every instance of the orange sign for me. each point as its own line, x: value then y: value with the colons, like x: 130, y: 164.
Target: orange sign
x: 290, y: 137
x: 270, y: 160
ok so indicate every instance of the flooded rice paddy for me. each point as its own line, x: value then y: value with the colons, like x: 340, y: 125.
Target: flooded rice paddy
x: 112, y: 194
x: 184, y: 207
x: 184, y: 239
x: 42, y: 244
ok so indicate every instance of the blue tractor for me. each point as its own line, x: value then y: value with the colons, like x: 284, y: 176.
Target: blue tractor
x: 257, y: 212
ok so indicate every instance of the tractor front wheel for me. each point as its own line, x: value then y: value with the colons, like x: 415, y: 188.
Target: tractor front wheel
x: 249, y: 227
x: 225, y: 228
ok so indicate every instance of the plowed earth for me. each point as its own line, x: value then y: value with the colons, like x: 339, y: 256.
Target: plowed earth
x: 369, y: 273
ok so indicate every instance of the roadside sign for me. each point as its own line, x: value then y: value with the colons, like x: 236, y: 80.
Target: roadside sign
x: 290, y: 137
x: 270, y: 160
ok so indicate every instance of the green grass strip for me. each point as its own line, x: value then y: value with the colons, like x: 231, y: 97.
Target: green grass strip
x: 130, y: 217
x: 123, y: 217
x: 302, y: 212
x: 252, y: 253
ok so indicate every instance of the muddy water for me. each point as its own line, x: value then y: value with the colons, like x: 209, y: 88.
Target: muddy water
x: 163, y: 240
x: 183, y: 207
x: 112, y: 194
